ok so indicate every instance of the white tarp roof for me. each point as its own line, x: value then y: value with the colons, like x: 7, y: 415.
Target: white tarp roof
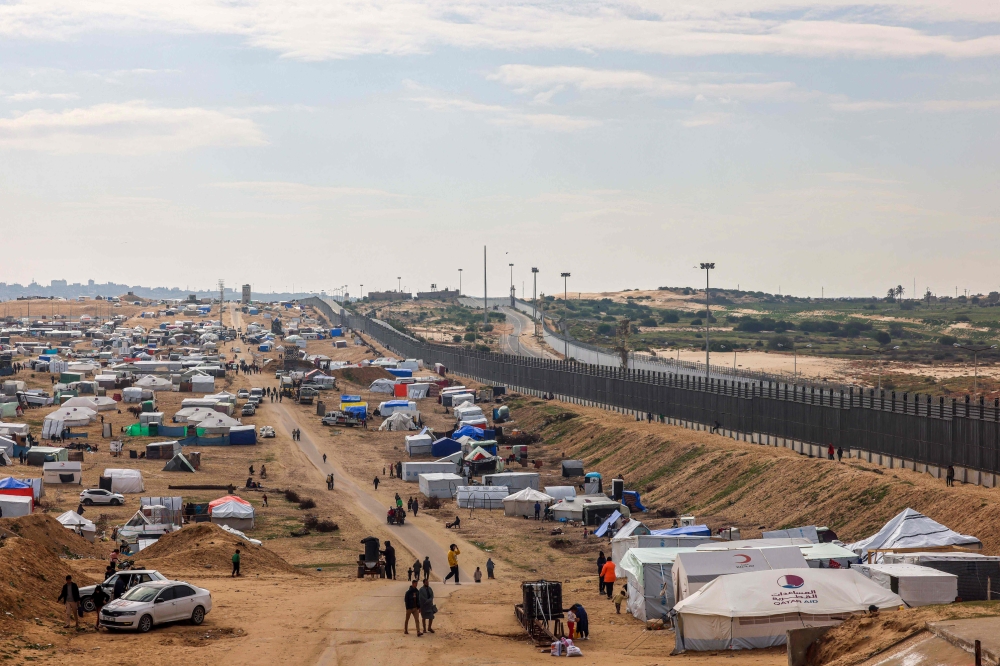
x: 125, y: 480
x: 72, y: 519
x: 97, y: 403
x: 692, y: 571
x: 193, y: 414
x: 398, y: 421
x: 218, y: 421
x: 15, y: 505
x: 232, y: 509
x: 154, y: 383
x: 917, y: 585
x: 72, y: 416
x: 912, y: 529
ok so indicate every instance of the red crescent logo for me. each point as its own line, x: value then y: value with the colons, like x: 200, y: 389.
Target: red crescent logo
x: 746, y: 558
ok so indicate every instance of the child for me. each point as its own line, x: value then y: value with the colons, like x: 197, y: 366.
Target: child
x: 409, y: 574
x: 619, y: 598
x: 478, y: 576
x: 571, y: 624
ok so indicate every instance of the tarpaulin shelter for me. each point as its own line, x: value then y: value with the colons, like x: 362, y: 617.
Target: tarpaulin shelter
x: 754, y: 610
x: 390, y: 407
x: 39, y: 455
x: 178, y: 463
x: 417, y: 391
x: 419, y: 445
x: 11, y: 487
x: 469, y: 431
x: 480, y: 497
x: 561, y: 492
x: 154, y: 383
x: 692, y: 571
x: 243, y: 435
x: 233, y: 511
x: 63, y: 471
x: 163, y: 450
x: 445, y: 447
x: 14, y: 506
x: 97, y: 403
x: 397, y: 422
x: 413, y: 470
x: 647, y: 572
x: 514, y: 481
x: 522, y: 503
x: 74, y: 522
x: 808, y: 532
x: 976, y: 572
x: 572, y: 468
x: 478, y: 453
x: 441, y: 485
x: 916, y: 585
x: 216, y: 424
x: 912, y: 529
x: 123, y: 480
x: 382, y: 385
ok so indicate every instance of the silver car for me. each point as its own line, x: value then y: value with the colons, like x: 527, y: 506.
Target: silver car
x: 150, y: 604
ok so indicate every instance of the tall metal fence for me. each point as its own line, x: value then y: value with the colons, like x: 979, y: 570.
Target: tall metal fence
x: 912, y: 427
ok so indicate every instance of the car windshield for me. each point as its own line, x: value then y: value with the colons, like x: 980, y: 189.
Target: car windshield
x: 141, y: 593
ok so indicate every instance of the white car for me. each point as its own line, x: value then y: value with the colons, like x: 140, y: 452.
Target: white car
x: 101, y: 496
x: 132, y: 577
x: 266, y: 432
x: 157, y: 603
x: 243, y: 394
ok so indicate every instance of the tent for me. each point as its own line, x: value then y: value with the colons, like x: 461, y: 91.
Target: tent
x: 163, y: 450
x: 480, y: 497
x: 38, y: 455
x: 572, y: 468
x: 466, y: 411
x: 193, y: 414
x: 74, y: 522
x: 692, y: 571
x: 445, y: 447
x: 14, y: 506
x: 417, y: 391
x: 514, y: 481
x: 397, y: 422
x: 561, y: 492
x: 419, y: 445
x: 912, y: 529
x: 439, y: 485
x: 217, y: 424
x: 63, y: 471
x: 153, y: 383
x: 800, y: 532
x: 647, y: 572
x: 202, y: 384
x: 382, y: 385
x: 125, y: 480
x: 97, y: 403
x: 574, y: 508
x: 456, y: 399
x: 635, y: 535
x: 413, y: 470
x: 468, y: 431
x: 242, y: 435
x: 754, y: 610
x: 132, y: 394
x: 916, y: 585
x: 522, y: 503
x: 975, y: 572
x: 178, y: 464
x: 233, y: 511
x: 11, y: 487
x: 145, y: 418
x: 390, y: 407
x: 478, y: 453
x: 474, y: 421
x: 66, y: 417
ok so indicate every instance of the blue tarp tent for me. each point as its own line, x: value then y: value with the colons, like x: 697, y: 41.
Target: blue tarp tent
x: 336, y: 333
x: 600, y: 531
x: 266, y: 347
x: 350, y: 398
x: 445, y: 447
x: 357, y: 410
x: 11, y: 482
x: 469, y: 431
x: 399, y: 372
x: 243, y: 435
x: 690, y: 530
x: 630, y: 498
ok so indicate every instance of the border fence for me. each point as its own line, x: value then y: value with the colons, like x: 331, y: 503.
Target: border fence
x: 915, y: 431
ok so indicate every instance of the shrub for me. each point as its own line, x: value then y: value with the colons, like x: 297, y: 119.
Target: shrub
x: 469, y: 337
x: 782, y: 342
x: 307, y: 503
x: 456, y: 338
x: 431, y: 503
x: 666, y: 513
x: 560, y: 542
x: 671, y: 318
x: 648, y: 321
x: 948, y: 340
x: 962, y: 318
x: 610, y: 318
x: 487, y: 327
x: 696, y: 322
x: 883, y: 338
x: 482, y: 348
x: 310, y: 521
x: 292, y: 496
x: 604, y: 329
x: 327, y: 526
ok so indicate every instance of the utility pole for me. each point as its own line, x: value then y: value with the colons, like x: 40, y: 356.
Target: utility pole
x: 222, y: 298
x: 399, y: 285
x: 459, y: 281
x: 486, y: 305
x: 707, y: 266
x: 511, y: 285
x: 564, y: 276
x: 534, y: 294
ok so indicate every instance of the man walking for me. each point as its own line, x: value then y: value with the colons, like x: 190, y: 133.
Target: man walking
x: 390, y: 561
x: 70, y: 595
x: 840, y: 454
x: 416, y: 569
x: 412, y: 601
x: 489, y: 568
x: 427, y: 607
x: 950, y: 477
x: 601, y: 560
x: 609, y: 576
x: 427, y: 567
x: 376, y: 483
x: 236, y: 564
x: 453, y: 553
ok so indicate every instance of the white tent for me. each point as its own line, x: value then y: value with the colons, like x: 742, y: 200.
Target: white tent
x: 692, y: 571
x: 14, y: 506
x: 417, y: 390
x: 390, y: 407
x: 383, y: 385
x: 153, y: 383
x: 622, y: 543
x: 912, y: 529
x: 754, y: 610
x: 808, y: 532
x: 417, y: 445
x: 74, y: 522
x: 62, y: 471
x: 97, y: 403
x: 480, y: 497
x: 202, y: 384
x: 413, y: 470
x: 572, y: 508
x: 522, y: 503
x: 514, y: 481
x: 647, y: 572
x: 439, y: 485
x: 235, y: 514
x: 467, y: 411
x: 217, y: 423
x: 7, y: 446
x: 561, y: 492
x: 915, y: 584
x: 125, y: 480
x: 132, y: 394
x: 73, y: 416
x: 398, y: 421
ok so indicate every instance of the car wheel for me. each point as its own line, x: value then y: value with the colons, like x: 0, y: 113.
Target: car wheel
x: 88, y: 605
x: 87, y: 501
x: 115, y: 502
x: 198, y: 616
x: 145, y: 623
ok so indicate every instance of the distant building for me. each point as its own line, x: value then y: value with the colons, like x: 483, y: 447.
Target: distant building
x: 440, y: 295
x: 387, y: 296
x: 246, y: 294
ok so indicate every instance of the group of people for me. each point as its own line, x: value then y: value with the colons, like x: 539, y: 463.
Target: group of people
x: 297, y: 435
x: 395, y: 470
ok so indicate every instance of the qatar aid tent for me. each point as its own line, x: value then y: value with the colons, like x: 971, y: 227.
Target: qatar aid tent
x: 124, y: 480
x: 754, y: 610
x: 912, y: 530
x: 916, y: 585
x: 522, y: 503
x: 480, y: 497
x: 647, y: 572
x: 62, y: 471
x: 692, y: 571
x: 74, y: 522
x: 233, y: 511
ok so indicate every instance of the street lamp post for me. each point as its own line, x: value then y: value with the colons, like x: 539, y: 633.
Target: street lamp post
x: 534, y: 291
x: 564, y: 276
x: 975, y: 356
x: 511, y: 285
x: 878, y: 354
x: 707, y: 266
x: 459, y: 281
x: 399, y: 285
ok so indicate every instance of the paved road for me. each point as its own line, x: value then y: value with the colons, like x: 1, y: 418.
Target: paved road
x: 523, y: 328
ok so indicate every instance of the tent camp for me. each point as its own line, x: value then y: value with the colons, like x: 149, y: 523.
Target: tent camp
x: 692, y: 571
x: 514, y: 481
x: 975, y: 572
x: 480, y: 497
x: 413, y: 470
x: 916, y: 585
x: 754, y: 610
x: 912, y: 529
x: 179, y: 463
x: 647, y: 572
x: 66, y: 417
x: 74, y: 522
x: 440, y: 485
x: 233, y: 511
x: 622, y: 543
x: 14, y: 506
x: 97, y: 403
x: 522, y: 503
x: 124, y: 480
x: 419, y: 445
x: 399, y: 421
x: 572, y: 468
x: 153, y: 383
x: 63, y: 471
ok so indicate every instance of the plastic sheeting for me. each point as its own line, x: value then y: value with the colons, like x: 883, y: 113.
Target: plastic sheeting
x: 480, y: 497
x: 912, y: 529
x: 915, y: 584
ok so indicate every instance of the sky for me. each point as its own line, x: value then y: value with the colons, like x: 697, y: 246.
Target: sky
x: 825, y: 147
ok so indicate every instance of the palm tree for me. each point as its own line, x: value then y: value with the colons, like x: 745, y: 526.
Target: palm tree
x: 891, y: 294
x: 899, y: 292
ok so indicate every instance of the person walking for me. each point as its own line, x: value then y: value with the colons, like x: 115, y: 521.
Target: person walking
x: 390, y: 561
x: 416, y: 569
x: 236, y: 564
x: 416, y: 507
x: 489, y: 568
x: 829, y: 451
x: 376, y: 483
x: 619, y: 598
x: 100, y: 598
x: 427, y: 607
x: 950, y: 476
x: 601, y: 559
x: 453, y: 553
x: 412, y: 601
x: 324, y: 458
x: 265, y: 499
x: 427, y: 567
x: 409, y: 504
x: 609, y: 575
x: 538, y: 510
x: 840, y: 454
x: 70, y: 595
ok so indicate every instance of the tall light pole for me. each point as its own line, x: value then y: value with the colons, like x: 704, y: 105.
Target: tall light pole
x: 486, y: 308
x: 564, y: 276
x: 975, y: 355
x: 399, y: 284
x: 878, y: 352
x: 362, y: 291
x: 511, y: 285
x: 707, y: 266
x: 534, y: 290
x: 459, y: 281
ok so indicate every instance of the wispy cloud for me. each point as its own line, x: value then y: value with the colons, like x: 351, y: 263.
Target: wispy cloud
x: 928, y: 106
x: 706, y: 119
x: 131, y: 128
x: 503, y: 115
x: 35, y: 95
x: 290, y: 191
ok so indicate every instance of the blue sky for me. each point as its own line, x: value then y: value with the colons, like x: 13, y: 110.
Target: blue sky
x: 839, y: 145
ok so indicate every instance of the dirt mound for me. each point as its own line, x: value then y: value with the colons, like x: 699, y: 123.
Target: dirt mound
x: 361, y: 376
x: 207, y: 545
x: 30, y: 579
x: 45, y: 530
x: 861, y: 638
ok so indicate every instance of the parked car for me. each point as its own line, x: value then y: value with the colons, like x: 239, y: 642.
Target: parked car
x: 101, y: 496
x: 266, y: 432
x: 132, y: 577
x: 249, y: 409
x: 253, y: 400
x: 243, y: 394
x: 150, y: 604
